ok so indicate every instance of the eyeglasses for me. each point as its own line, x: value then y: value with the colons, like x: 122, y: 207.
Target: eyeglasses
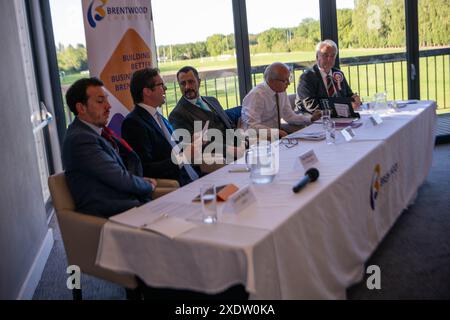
x: 288, y: 142
x: 160, y: 84
x: 287, y: 81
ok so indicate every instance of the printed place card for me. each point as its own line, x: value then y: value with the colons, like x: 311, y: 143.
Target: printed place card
x: 308, y: 159
x: 242, y: 199
x: 376, y: 119
x: 348, y: 133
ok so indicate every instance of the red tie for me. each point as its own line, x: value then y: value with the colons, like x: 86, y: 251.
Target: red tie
x: 330, y: 87
x: 109, y: 135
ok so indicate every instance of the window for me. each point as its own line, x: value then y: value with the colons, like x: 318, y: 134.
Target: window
x: 372, y: 46
x: 286, y: 32
x: 200, y: 34
x: 434, y: 46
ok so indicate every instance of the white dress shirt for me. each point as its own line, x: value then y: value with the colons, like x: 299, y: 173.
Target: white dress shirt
x: 259, y: 109
x: 152, y: 111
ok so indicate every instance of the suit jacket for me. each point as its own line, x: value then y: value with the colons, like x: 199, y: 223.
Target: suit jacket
x: 97, y: 177
x: 145, y: 136
x: 185, y: 113
x: 311, y: 89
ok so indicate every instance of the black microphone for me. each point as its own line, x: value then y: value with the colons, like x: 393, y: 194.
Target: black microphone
x: 311, y: 175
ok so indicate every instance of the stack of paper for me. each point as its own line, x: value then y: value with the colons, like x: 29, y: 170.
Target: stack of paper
x: 165, y: 218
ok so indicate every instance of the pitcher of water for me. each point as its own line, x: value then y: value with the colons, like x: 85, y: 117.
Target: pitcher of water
x: 380, y: 101
x: 261, y: 160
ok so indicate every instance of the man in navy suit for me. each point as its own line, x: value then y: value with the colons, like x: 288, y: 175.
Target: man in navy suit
x: 96, y: 175
x: 149, y: 133
x: 323, y: 80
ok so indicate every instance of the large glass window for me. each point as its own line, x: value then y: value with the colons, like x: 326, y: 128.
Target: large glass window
x: 434, y: 46
x: 372, y: 46
x: 199, y: 34
x: 286, y: 32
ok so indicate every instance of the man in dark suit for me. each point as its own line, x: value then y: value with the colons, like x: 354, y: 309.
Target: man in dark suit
x: 323, y: 80
x: 149, y: 133
x: 192, y: 107
x: 96, y: 175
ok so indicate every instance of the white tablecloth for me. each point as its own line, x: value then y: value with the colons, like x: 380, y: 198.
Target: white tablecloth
x: 291, y: 246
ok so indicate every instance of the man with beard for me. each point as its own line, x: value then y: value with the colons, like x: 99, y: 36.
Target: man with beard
x: 192, y: 107
x: 96, y: 175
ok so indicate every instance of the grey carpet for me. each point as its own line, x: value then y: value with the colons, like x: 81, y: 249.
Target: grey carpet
x: 414, y: 257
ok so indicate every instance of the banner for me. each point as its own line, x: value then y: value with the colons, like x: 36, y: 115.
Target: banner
x: 119, y: 40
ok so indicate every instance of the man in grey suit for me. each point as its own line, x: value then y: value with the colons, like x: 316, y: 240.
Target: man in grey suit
x: 96, y: 175
x: 194, y: 107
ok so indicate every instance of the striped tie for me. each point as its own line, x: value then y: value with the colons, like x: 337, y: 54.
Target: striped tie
x: 330, y: 87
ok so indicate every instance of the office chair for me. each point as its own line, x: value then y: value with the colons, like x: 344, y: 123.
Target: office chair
x: 81, y: 233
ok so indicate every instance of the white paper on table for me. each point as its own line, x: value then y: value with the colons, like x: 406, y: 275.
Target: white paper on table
x: 165, y: 218
x: 319, y: 135
x: 169, y: 226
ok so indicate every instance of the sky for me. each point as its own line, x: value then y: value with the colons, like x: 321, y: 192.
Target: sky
x: 192, y: 20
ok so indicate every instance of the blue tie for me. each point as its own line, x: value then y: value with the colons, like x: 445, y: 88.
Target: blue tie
x: 189, y: 170
x: 201, y: 104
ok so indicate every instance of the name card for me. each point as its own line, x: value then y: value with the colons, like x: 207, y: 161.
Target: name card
x: 376, y: 119
x: 242, y: 199
x: 348, y: 133
x: 341, y: 110
x: 308, y: 159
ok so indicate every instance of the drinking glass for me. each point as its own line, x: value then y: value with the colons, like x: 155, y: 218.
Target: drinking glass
x: 209, y: 203
x: 330, y: 132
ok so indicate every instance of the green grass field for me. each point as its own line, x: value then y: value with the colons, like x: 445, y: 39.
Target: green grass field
x: 389, y: 77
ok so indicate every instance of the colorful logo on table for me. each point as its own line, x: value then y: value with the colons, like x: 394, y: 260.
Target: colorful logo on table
x: 378, y: 181
x: 96, y: 14
x: 375, y: 186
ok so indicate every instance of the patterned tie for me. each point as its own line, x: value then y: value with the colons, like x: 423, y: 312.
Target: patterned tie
x: 330, y: 87
x: 277, y: 100
x: 189, y: 170
x: 201, y: 104
x: 112, y: 137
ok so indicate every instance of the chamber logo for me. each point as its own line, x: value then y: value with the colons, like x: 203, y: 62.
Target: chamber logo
x: 375, y: 186
x: 96, y: 14
x: 378, y: 181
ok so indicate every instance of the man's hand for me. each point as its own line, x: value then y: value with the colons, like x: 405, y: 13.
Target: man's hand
x: 151, y: 181
x: 316, y: 115
x: 282, y: 133
x: 356, y: 102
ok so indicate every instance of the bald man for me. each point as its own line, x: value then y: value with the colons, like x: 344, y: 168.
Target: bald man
x: 267, y: 103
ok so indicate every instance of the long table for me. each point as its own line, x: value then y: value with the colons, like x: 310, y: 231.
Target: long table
x: 310, y: 245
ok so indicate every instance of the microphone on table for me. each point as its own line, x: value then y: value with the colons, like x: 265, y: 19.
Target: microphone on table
x: 311, y: 175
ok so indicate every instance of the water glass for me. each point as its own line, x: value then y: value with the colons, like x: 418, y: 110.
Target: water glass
x: 209, y: 203
x: 326, y: 116
x: 330, y: 132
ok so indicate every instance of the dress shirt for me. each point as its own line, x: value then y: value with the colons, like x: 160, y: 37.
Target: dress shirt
x: 93, y: 127
x: 259, y: 109
x: 152, y: 111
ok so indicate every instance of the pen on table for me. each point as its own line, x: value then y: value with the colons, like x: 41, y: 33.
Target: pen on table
x: 160, y: 217
x: 243, y: 169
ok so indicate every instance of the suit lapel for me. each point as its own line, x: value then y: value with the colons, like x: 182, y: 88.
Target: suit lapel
x: 218, y: 111
x: 102, y: 141
x: 323, y: 90
x: 149, y: 121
